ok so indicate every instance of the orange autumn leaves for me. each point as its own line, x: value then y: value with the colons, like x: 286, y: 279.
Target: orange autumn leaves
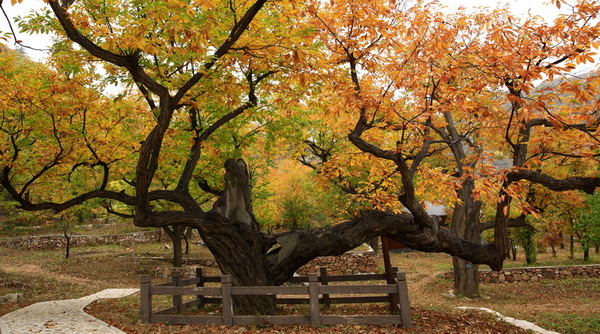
x: 414, y: 72
x: 418, y: 72
x: 56, y: 129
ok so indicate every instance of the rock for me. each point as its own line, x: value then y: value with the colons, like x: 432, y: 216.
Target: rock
x: 450, y: 294
x: 11, y: 298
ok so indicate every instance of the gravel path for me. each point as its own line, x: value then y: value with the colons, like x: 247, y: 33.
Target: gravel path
x: 61, y: 316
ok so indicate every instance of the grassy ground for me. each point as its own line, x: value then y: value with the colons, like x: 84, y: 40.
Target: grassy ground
x: 566, y: 306
x: 56, y: 228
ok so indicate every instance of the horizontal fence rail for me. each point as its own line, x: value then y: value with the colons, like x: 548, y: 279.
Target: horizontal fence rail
x: 312, y: 290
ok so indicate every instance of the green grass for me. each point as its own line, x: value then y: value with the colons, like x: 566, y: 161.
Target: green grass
x: 12, y: 227
x: 568, y: 323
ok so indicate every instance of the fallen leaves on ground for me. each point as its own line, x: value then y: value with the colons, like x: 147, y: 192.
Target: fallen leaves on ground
x: 426, y: 321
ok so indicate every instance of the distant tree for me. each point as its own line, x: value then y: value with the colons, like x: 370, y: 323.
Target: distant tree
x: 587, y: 227
x: 526, y: 238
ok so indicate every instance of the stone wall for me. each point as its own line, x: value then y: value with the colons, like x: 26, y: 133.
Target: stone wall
x: 345, y: 264
x: 59, y: 241
x: 510, y: 275
x: 186, y: 272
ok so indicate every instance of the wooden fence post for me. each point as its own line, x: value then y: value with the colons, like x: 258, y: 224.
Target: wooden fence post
x: 177, y: 299
x: 227, y: 301
x: 146, y: 298
x: 313, y: 296
x: 405, y: 312
x: 325, y: 281
x: 389, y: 273
x: 200, y: 284
x: 393, y: 297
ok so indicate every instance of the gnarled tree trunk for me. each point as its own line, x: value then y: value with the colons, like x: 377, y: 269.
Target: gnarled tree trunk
x: 253, y: 258
x: 240, y: 247
x: 465, y: 220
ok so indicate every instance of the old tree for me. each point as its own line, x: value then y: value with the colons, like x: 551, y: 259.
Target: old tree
x: 419, y: 104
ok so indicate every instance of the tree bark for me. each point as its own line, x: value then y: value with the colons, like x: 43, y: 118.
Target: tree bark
x: 240, y: 252
x: 465, y: 220
x: 175, y: 235
x: 240, y: 248
x: 67, y: 237
x: 466, y: 278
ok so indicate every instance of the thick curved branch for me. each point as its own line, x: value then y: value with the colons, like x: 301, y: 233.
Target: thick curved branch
x: 334, y: 240
x: 184, y: 199
x: 512, y: 222
x: 25, y: 204
x: 345, y: 236
x: 586, y: 184
x: 362, y: 145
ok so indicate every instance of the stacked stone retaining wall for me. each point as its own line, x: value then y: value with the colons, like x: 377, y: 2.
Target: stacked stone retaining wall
x: 511, y: 275
x: 345, y: 264
x: 59, y: 241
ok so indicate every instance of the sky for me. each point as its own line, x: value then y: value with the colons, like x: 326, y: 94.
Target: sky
x: 521, y: 7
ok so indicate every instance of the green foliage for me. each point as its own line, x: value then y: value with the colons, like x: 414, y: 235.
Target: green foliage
x: 295, y: 198
x: 59, y: 133
x: 587, y: 227
x: 526, y: 238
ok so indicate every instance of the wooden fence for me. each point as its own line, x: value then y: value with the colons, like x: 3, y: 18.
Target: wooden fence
x: 309, y: 289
